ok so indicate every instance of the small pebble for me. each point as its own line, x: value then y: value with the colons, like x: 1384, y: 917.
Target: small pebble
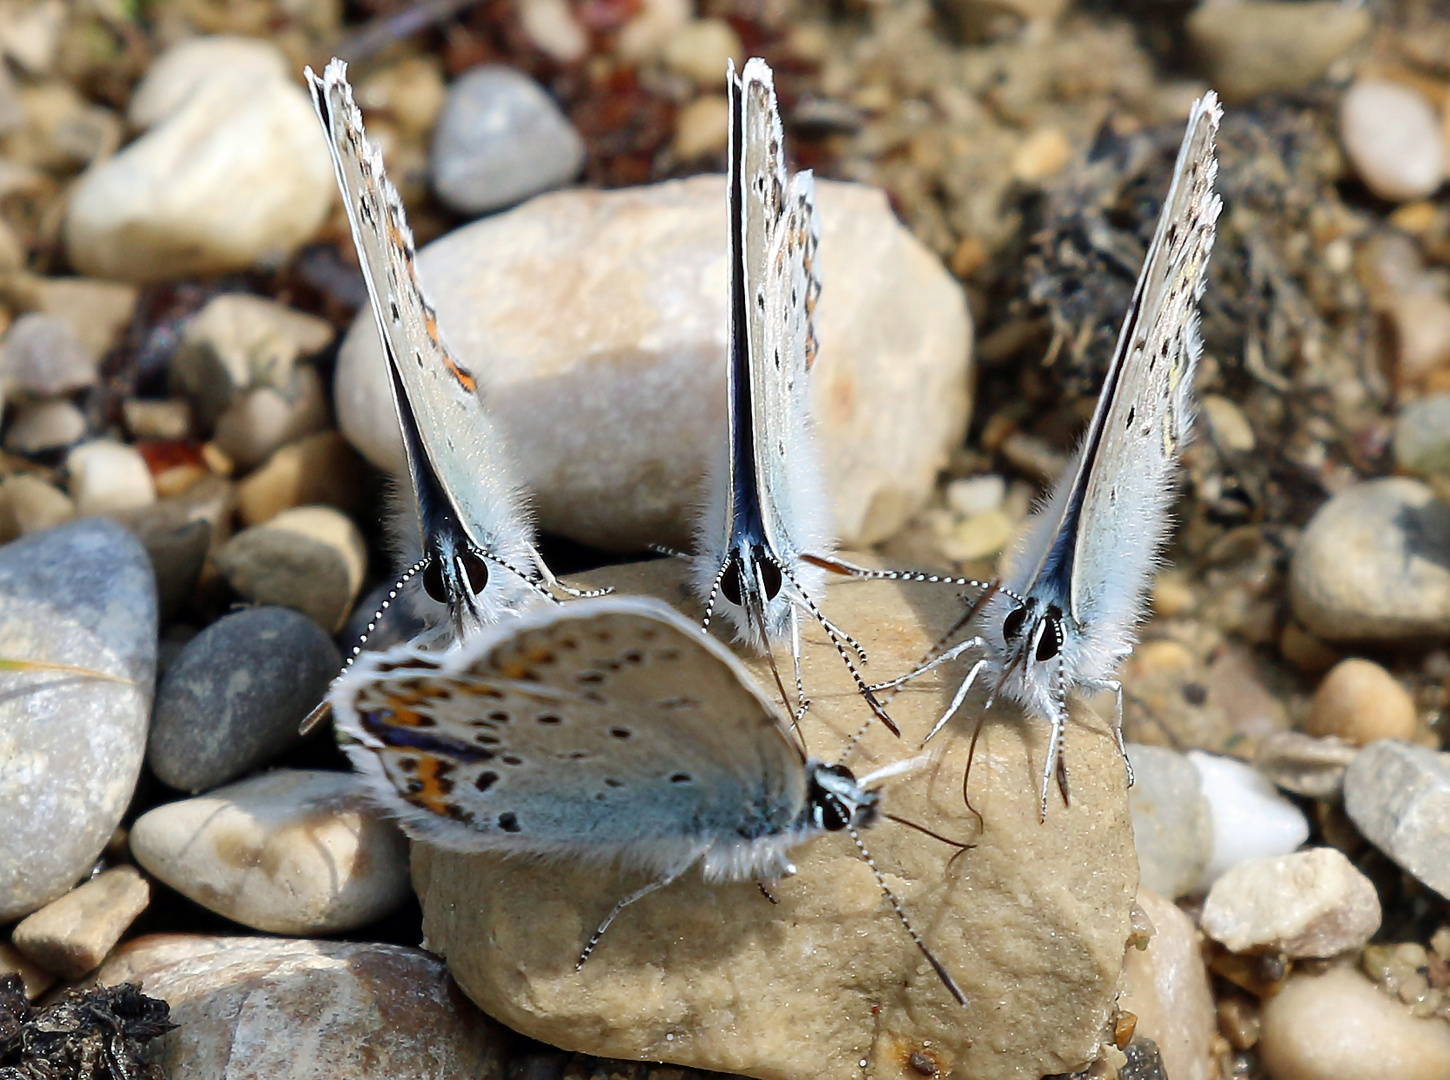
x: 1308, y: 903
x: 1166, y: 987
x: 1172, y: 826
x: 1422, y: 436
x: 1359, y: 702
x: 411, y: 92
x: 177, y: 539
x: 499, y: 140
x: 647, y: 33
x: 311, y: 558
x: 98, y: 311
x: 1364, y: 570
x: 36, y: 979
x: 1420, y: 320
x: 976, y: 494
x: 106, y: 476
x: 42, y: 426
x: 700, y: 49
x: 978, y: 537
x: 233, y: 698
x: 1250, y: 819
x: 1043, y: 154
x: 1229, y: 426
x: 287, y: 852
x: 1338, y: 1026
x: 265, y: 418
x: 1261, y: 46
x: 1393, y: 138
x: 1304, y: 765
x: 552, y: 26
x: 177, y: 73
x: 1398, y: 796
x: 319, y: 468
x: 28, y: 504
x: 168, y: 420
x: 43, y: 356
x: 72, y: 935
x: 702, y: 127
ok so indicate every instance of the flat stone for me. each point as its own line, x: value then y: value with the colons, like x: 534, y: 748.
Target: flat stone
x: 1309, y: 903
x: 308, y: 1010
x: 35, y: 978
x: 265, y: 418
x: 1305, y: 765
x: 1360, y: 702
x: 311, y: 558
x: 1264, y: 46
x: 1172, y: 829
x: 1393, y: 138
x: 72, y: 935
x: 319, y: 468
x: 1031, y: 921
x: 107, y: 476
x: 1399, y: 796
x: 179, y: 71
x: 1250, y: 819
x: 288, y: 852
x: 1166, y: 987
x: 42, y: 355
x: 1422, y: 436
x: 43, y: 426
x: 98, y: 311
x: 499, y: 140
x: 1370, y: 565
x: 1338, y: 1025
x: 613, y: 413
x: 80, y: 594
x: 28, y: 504
x: 234, y: 697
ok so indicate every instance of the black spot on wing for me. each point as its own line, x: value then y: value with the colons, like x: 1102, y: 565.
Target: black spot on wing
x: 508, y: 822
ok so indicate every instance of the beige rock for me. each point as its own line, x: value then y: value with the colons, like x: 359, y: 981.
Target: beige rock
x: 319, y: 468
x: 702, y: 127
x: 1338, y: 1025
x: 265, y: 418
x: 700, y: 50
x: 310, y: 558
x: 648, y: 32
x: 1303, y: 764
x: 1043, y: 153
x: 1230, y: 427
x: 288, y: 852
x: 35, y: 978
x: 307, y: 1010
x: 613, y: 412
x: 28, y: 504
x: 1031, y: 921
x: 1392, y: 136
x: 1311, y: 903
x: 1260, y: 46
x: 72, y: 935
x: 1359, y: 702
x: 1421, y: 324
x: 147, y: 418
x: 1166, y: 987
x: 106, y: 476
x: 45, y: 425
x: 43, y: 355
x: 179, y: 71
x: 98, y: 311
x: 551, y: 25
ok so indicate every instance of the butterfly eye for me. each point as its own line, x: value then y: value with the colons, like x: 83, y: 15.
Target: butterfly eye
x: 730, y: 584
x: 476, y: 570
x: 1050, y: 643
x: 433, y: 582
x: 1012, y: 624
x: 770, y: 576
x: 832, y: 813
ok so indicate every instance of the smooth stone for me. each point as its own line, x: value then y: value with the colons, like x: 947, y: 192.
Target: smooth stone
x: 28, y: 504
x: 702, y: 127
x: 1250, y: 819
x: 168, y: 420
x: 266, y: 418
x: 98, y: 311
x: 645, y: 34
x: 1166, y: 987
x: 499, y: 140
x: 72, y: 935
x: 33, y: 977
x: 308, y: 1010
x: 613, y: 413
x: 1339, y: 1025
x: 1303, y: 764
x: 1370, y: 565
x: 177, y: 541
x: 319, y: 468
x: 701, y: 49
x: 1360, y: 702
x: 238, y: 342
x: 1399, y: 796
x: 288, y: 852
x: 1031, y: 922
x: 1393, y: 138
x: 552, y: 27
x: 79, y: 594
x: 1260, y: 47
x: 107, y: 476
x: 185, y: 67
x: 1422, y: 436
x: 1420, y: 321
x: 1308, y: 903
x: 42, y: 426
x: 976, y: 494
x: 234, y: 176
x: 311, y: 558
x: 1172, y: 826
x: 42, y: 355
x: 233, y: 698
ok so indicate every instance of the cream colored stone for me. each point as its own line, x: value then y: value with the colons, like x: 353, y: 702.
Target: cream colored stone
x: 1166, y: 987
x: 311, y: 558
x: 319, y: 468
x: 107, y: 476
x: 72, y: 935
x: 1260, y: 46
x: 552, y: 26
x: 179, y: 71
x: 1044, y: 153
x: 701, y: 49
x: 1359, y: 702
x: 34, y: 977
x: 1310, y: 903
x: 28, y: 504
x: 702, y: 127
x: 1032, y: 921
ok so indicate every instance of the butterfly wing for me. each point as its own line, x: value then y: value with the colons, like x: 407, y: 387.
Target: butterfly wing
x: 604, y: 729
x: 467, y: 496
x: 1144, y: 412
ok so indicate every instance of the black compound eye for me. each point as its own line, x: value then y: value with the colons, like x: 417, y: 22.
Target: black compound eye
x: 1050, y: 643
x: 433, y: 582
x: 730, y: 584
x: 1012, y: 624
x: 476, y: 570
x: 834, y: 814
x: 770, y: 577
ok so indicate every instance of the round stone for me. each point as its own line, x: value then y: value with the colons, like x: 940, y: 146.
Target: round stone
x: 1261, y: 46
x: 1172, y: 828
x: 82, y: 594
x: 43, y: 355
x: 1398, y: 796
x: 45, y: 426
x: 234, y: 697
x: 1393, y: 138
x: 1166, y: 987
x: 107, y: 476
x: 1367, y: 566
x: 1359, y: 702
x: 1422, y: 436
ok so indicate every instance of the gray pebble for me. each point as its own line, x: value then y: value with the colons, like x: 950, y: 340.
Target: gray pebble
x: 499, y: 140
x: 42, y: 426
x: 1172, y: 829
x: 43, y: 355
x: 234, y: 696
x: 177, y: 545
x: 72, y: 745
x: 1371, y: 565
x: 1398, y: 795
x: 1422, y: 436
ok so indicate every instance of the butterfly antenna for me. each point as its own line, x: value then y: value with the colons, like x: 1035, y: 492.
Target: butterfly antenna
x: 714, y: 592
x: 568, y: 590
x: 866, y: 573
x: 638, y: 894
x: 936, y: 965
x: 960, y: 845
x: 323, y: 708
x: 662, y: 549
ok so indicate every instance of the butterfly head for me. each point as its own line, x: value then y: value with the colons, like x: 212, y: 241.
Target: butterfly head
x: 1033, y: 631
x: 837, y: 800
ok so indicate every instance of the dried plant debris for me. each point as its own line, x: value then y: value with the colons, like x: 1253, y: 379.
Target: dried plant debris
x: 93, y: 1034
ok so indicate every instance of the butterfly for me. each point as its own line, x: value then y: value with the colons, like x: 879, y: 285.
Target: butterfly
x: 764, y: 534
x: 479, y: 555
x: 1065, y: 612
x: 606, y: 731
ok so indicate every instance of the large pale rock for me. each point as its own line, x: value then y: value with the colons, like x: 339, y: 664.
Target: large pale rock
x: 70, y: 745
x: 234, y: 174
x: 597, y: 321
x: 1166, y: 987
x: 307, y: 1010
x: 1262, y: 46
x: 1032, y: 921
x: 1399, y: 796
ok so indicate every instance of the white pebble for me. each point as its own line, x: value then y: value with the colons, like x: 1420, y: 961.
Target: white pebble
x: 106, y: 476
x: 1393, y: 137
x: 1250, y: 819
x: 976, y: 494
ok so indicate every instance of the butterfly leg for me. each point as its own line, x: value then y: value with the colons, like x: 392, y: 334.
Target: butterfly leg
x: 638, y: 894
x: 551, y: 582
x: 951, y: 654
x: 957, y: 699
x: 802, y: 702
x: 1117, y: 688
